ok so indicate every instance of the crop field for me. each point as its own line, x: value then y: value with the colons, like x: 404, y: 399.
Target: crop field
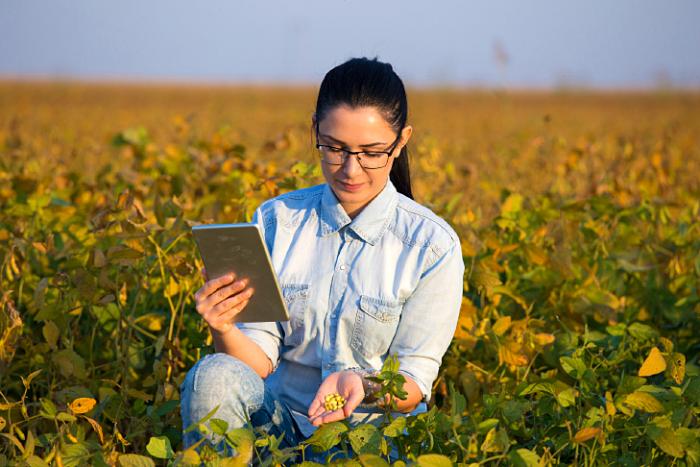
x: 579, y: 216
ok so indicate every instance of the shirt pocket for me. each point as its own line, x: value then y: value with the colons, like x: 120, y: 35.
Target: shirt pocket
x: 375, y: 325
x: 296, y: 297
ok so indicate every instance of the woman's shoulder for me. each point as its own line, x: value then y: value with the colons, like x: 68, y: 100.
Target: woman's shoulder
x: 302, y: 198
x: 418, y: 224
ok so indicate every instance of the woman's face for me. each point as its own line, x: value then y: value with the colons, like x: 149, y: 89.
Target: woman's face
x: 358, y: 129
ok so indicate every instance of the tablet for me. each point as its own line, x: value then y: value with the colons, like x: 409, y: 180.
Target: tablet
x: 240, y: 248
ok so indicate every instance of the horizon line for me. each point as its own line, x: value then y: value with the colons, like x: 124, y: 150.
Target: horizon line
x: 137, y: 80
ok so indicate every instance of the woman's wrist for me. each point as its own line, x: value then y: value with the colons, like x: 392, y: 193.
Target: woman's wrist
x: 371, y: 388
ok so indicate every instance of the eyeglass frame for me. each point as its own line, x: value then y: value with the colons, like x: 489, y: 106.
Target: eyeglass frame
x: 347, y: 153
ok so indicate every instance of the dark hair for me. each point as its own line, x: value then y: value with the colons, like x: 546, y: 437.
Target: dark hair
x: 361, y: 82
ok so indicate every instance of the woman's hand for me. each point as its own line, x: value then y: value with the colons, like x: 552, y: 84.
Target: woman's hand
x: 348, y: 384
x: 219, y: 300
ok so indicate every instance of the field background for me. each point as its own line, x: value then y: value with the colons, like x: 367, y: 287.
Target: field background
x: 578, y: 214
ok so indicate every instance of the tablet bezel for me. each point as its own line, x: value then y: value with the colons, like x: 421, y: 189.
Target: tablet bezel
x: 219, y: 243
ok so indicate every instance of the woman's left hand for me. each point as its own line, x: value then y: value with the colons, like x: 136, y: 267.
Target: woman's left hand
x: 348, y: 384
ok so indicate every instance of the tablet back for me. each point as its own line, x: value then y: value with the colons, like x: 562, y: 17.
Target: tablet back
x: 240, y: 248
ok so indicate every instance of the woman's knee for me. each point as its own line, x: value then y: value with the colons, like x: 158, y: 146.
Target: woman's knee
x: 221, y: 380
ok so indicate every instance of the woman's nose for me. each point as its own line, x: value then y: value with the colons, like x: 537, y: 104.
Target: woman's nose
x: 351, y: 166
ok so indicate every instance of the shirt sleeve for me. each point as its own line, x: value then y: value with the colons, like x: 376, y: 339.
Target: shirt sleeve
x: 429, y: 319
x: 267, y: 335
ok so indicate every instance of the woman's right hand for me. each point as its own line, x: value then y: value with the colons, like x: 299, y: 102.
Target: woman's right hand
x: 219, y: 300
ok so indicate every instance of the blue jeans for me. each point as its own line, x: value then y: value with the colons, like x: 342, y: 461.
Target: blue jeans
x: 242, y: 396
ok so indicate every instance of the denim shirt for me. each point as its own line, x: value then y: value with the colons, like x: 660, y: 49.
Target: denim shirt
x: 389, y: 281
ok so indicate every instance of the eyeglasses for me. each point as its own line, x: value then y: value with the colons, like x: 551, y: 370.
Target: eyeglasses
x: 368, y: 159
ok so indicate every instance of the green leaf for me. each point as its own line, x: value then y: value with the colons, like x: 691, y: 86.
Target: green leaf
x: 692, y: 391
x: 496, y: 441
x: 574, y: 367
x: 327, y: 435
x: 51, y: 333
x: 644, y: 401
x: 524, y: 458
x: 134, y: 460
x: 666, y: 439
x: 365, y: 439
x: 199, y: 424
x: 159, y: 446
x: 243, y: 439
x: 487, y: 425
x: 65, y: 417
x: 372, y: 460
x: 642, y: 331
x: 48, y: 408
x: 395, y: 428
x: 36, y: 461
x: 218, y: 426
x: 567, y: 397
x: 433, y: 460
x: 69, y: 363
x: 75, y: 454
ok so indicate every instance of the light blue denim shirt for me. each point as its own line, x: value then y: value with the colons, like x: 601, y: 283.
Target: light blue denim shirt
x: 388, y: 281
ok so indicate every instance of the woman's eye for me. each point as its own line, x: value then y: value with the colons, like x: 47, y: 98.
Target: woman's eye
x: 375, y: 154
x: 333, y: 150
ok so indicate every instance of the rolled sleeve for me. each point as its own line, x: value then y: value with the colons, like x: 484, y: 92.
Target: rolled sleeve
x: 268, y: 335
x: 429, y: 320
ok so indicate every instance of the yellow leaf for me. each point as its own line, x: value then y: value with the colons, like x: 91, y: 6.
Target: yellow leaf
x: 543, y: 338
x: 511, y: 354
x: 584, y: 434
x: 121, y: 439
x: 172, y: 289
x: 644, y: 401
x: 501, y: 325
x: 667, y: 344
x: 97, y: 427
x: 82, y: 405
x: 654, y: 364
x: 676, y: 367
x: 609, y: 404
x: 536, y: 255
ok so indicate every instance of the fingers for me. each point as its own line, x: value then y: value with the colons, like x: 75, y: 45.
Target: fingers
x: 313, y: 408
x: 327, y: 417
x: 222, y: 321
x: 229, y: 313
x: 227, y: 292
x: 232, y: 301
x: 210, y: 286
x: 354, y: 399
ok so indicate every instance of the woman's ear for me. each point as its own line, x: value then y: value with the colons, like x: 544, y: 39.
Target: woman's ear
x: 406, y: 135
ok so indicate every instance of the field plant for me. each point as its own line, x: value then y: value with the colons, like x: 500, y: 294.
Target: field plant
x: 578, y: 336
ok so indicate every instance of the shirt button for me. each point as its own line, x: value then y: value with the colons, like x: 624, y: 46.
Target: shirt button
x: 342, y: 267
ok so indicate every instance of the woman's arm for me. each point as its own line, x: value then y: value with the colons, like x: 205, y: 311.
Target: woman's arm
x: 219, y: 301
x: 237, y: 344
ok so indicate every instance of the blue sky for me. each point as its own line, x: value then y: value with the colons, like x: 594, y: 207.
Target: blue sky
x: 514, y: 43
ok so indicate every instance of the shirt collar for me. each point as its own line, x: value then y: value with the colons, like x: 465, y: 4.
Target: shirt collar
x: 370, y: 224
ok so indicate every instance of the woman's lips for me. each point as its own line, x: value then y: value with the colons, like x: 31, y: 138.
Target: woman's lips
x: 348, y: 187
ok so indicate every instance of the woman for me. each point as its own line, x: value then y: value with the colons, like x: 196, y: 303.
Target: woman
x: 365, y: 270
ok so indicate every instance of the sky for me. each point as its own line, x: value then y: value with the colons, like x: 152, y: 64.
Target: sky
x: 495, y: 43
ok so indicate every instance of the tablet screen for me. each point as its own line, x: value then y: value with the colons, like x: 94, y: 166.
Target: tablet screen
x: 240, y: 248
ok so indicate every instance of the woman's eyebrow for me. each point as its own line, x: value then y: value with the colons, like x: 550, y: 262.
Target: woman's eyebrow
x: 343, y: 143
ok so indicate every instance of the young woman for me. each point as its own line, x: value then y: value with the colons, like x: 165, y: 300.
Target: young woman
x: 365, y: 270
